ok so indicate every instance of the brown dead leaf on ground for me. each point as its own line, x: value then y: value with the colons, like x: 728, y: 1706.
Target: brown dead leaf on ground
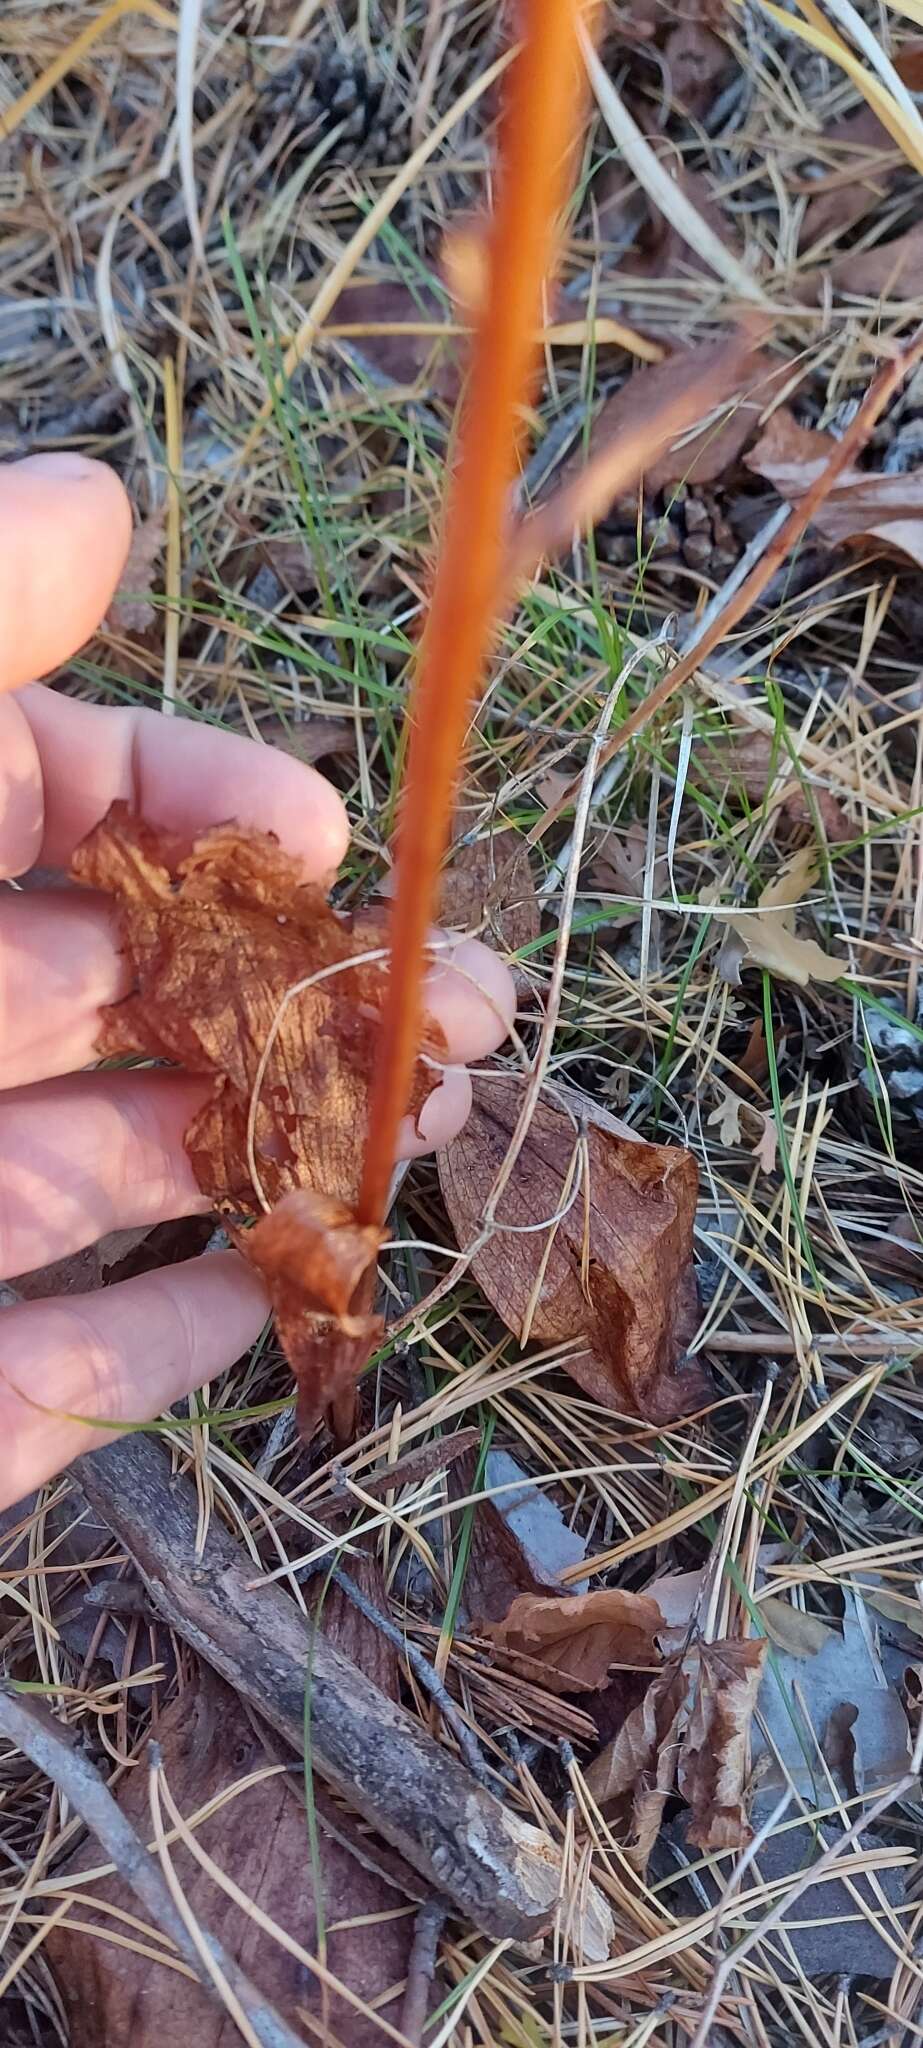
x: 131, y: 611
x: 865, y: 162
x: 753, y: 764
x: 487, y: 887
x: 696, y: 61
x: 373, y: 305
x: 705, y: 454
x: 616, y: 1270
x: 216, y: 939
x: 908, y: 63
x: 689, y: 1734
x: 863, y: 507
x: 892, y: 270
x: 576, y: 1641
x: 259, y: 1838
x: 309, y: 739
x: 768, y: 935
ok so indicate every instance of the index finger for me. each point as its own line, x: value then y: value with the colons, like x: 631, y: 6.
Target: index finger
x: 63, y: 762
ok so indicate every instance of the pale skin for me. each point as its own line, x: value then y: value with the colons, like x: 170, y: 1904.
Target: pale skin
x: 83, y: 1153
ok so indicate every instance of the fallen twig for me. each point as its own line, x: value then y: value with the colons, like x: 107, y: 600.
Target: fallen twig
x: 494, y: 1869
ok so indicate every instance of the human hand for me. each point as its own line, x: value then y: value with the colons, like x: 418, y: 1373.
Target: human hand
x: 83, y: 1153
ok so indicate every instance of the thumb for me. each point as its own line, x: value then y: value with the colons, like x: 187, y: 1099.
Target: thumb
x: 65, y: 529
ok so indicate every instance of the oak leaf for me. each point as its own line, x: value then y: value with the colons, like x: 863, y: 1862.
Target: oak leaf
x: 768, y: 933
x: 575, y: 1642
x: 488, y: 887
x: 243, y: 973
x: 615, y: 1270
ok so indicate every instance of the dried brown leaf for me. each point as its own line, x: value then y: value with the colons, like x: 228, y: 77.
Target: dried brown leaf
x: 488, y: 887
x: 691, y: 1732
x: 576, y: 1641
x: 699, y: 457
x: 372, y: 306
x: 892, y: 270
x: 118, y: 1255
x: 908, y: 63
x: 616, y: 1270
x: 714, y: 1761
x: 696, y: 61
x: 309, y: 739
x: 865, y: 163
x: 258, y: 1838
x: 131, y: 611
x: 216, y: 938
x: 636, y: 1772
x: 753, y: 764
x: 864, y: 506
x: 768, y: 934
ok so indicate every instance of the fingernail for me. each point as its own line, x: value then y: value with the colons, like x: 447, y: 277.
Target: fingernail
x: 63, y: 466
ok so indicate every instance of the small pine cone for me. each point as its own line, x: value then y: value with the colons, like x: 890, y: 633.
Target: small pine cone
x: 681, y: 529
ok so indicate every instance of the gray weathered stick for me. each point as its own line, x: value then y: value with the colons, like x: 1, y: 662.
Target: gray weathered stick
x: 494, y: 1869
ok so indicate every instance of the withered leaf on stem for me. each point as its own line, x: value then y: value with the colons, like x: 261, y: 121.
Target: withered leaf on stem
x: 488, y: 887
x: 218, y: 939
x: 576, y: 1641
x: 691, y: 1732
x: 616, y: 1270
x: 259, y: 1838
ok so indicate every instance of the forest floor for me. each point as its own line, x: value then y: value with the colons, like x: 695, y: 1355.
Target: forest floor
x: 270, y: 377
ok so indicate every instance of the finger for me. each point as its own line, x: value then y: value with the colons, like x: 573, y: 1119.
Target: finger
x: 90, y: 1154
x: 121, y: 1356
x: 62, y: 763
x: 100, y: 1152
x: 65, y: 530
x: 60, y: 963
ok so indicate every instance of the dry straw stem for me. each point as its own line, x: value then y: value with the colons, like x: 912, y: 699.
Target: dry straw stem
x: 888, y: 381
x: 539, y: 125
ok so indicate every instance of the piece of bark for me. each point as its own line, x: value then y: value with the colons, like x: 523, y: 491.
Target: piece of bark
x: 496, y: 1870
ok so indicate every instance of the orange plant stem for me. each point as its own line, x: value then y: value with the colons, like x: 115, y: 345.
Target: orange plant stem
x: 538, y: 129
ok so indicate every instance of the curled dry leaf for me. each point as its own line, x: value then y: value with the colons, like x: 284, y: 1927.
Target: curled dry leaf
x: 704, y: 453
x: 396, y: 330
x: 864, y: 506
x: 892, y: 270
x: 614, y: 1271
x: 575, y: 1642
x: 768, y: 935
x: 219, y: 939
x: 690, y: 1733
x: 257, y: 1835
